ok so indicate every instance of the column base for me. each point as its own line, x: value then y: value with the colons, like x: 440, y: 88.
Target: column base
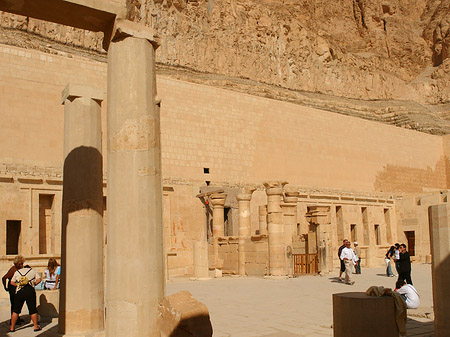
x: 272, y: 277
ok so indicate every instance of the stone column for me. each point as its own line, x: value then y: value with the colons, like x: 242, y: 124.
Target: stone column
x: 277, y: 247
x: 321, y: 218
x: 289, y: 210
x: 439, y: 218
x: 218, y: 203
x: 243, y: 199
x: 135, y: 256
x: 81, y: 303
x: 262, y: 219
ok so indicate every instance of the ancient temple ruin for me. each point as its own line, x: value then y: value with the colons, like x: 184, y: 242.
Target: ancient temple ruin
x: 187, y: 178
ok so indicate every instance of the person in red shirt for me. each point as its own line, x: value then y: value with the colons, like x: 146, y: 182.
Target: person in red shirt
x: 6, y: 280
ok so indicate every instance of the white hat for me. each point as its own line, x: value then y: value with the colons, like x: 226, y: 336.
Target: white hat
x: 356, y: 243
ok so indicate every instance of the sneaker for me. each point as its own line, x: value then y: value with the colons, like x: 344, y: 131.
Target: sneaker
x: 352, y: 283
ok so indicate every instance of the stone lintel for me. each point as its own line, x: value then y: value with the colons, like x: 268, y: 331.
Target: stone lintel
x: 126, y: 28
x: 93, y: 15
x: 80, y: 90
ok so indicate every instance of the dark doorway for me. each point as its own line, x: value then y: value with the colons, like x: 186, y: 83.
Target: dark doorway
x: 12, y: 236
x: 411, y: 238
x: 228, y: 221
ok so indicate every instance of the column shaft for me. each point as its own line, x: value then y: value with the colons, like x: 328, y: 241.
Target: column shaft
x: 81, y: 296
x: 244, y: 225
x: 277, y: 246
x: 440, y: 251
x: 135, y: 259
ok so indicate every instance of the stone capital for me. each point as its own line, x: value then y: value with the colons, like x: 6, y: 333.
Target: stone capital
x: 218, y: 199
x: 245, y: 195
x: 73, y: 90
x: 274, y: 191
x: 125, y: 28
x: 275, y: 184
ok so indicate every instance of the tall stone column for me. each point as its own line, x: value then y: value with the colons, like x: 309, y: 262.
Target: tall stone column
x: 289, y: 210
x: 439, y: 218
x: 81, y: 297
x: 277, y: 247
x: 262, y: 210
x: 243, y: 199
x: 218, y: 203
x: 135, y: 256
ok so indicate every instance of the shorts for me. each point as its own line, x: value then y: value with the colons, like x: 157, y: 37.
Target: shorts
x: 26, y: 294
x: 342, y: 266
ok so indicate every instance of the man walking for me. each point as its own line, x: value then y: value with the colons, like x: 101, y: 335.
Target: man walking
x: 349, y: 258
x: 342, y: 261
x: 404, y: 265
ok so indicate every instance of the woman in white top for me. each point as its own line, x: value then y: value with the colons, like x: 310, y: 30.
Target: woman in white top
x: 52, y: 275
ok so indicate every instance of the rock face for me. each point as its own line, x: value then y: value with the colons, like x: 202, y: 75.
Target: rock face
x: 353, y: 49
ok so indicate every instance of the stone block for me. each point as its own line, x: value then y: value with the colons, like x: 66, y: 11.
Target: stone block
x: 356, y: 314
x: 181, y: 315
x: 47, y: 304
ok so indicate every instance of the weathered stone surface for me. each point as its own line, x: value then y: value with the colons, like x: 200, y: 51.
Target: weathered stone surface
x: 337, y: 56
x: 182, y: 315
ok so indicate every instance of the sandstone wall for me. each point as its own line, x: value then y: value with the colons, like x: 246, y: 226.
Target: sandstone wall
x: 242, y: 139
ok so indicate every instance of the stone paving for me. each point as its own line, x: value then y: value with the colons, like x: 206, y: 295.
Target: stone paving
x: 246, y: 307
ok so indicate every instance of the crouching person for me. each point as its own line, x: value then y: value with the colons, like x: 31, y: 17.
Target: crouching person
x: 24, y: 280
x: 408, y: 293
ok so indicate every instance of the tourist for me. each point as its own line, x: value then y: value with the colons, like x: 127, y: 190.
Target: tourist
x: 387, y: 259
x: 6, y: 279
x: 349, y: 258
x: 404, y: 265
x: 409, y: 294
x: 357, y: 251
x: 396, y: 256
x: 342, y: 262
x: 52, y: 275
x: 24, y: 280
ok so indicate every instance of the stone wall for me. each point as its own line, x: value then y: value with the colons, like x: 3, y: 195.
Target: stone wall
x: 242, y: 139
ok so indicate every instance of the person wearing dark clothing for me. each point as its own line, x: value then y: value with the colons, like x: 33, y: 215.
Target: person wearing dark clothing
x: 387, y: 259
x: 6, y: 280
x: 404, y: 265
x: 342, y: 261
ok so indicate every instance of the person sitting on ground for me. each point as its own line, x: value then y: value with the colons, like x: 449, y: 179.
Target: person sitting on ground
x: 24, y: 280
x: 408, y: 293
x: 52, y: 275
x: 6, y: 280
x: 387, y: 258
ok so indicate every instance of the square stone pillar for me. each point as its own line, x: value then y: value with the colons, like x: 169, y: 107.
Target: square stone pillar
x: 135, y: 257
x: 81, y: 302
x: 439, y: 218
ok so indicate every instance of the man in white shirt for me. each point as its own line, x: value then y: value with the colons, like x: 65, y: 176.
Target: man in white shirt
x: 349, y: 258
x: 408, y: 293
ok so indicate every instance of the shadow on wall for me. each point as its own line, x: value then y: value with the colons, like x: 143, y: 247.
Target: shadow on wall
x: 406, y: 179
x: 82, y: 190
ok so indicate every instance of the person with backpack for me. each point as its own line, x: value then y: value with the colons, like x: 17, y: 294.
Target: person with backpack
x: 6, y: 280
x: 24, y: 280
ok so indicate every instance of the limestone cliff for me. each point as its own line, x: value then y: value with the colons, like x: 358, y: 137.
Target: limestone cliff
x: 346, y: 49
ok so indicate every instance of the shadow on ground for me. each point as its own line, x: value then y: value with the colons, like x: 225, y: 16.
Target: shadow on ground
x: 415, y: 327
